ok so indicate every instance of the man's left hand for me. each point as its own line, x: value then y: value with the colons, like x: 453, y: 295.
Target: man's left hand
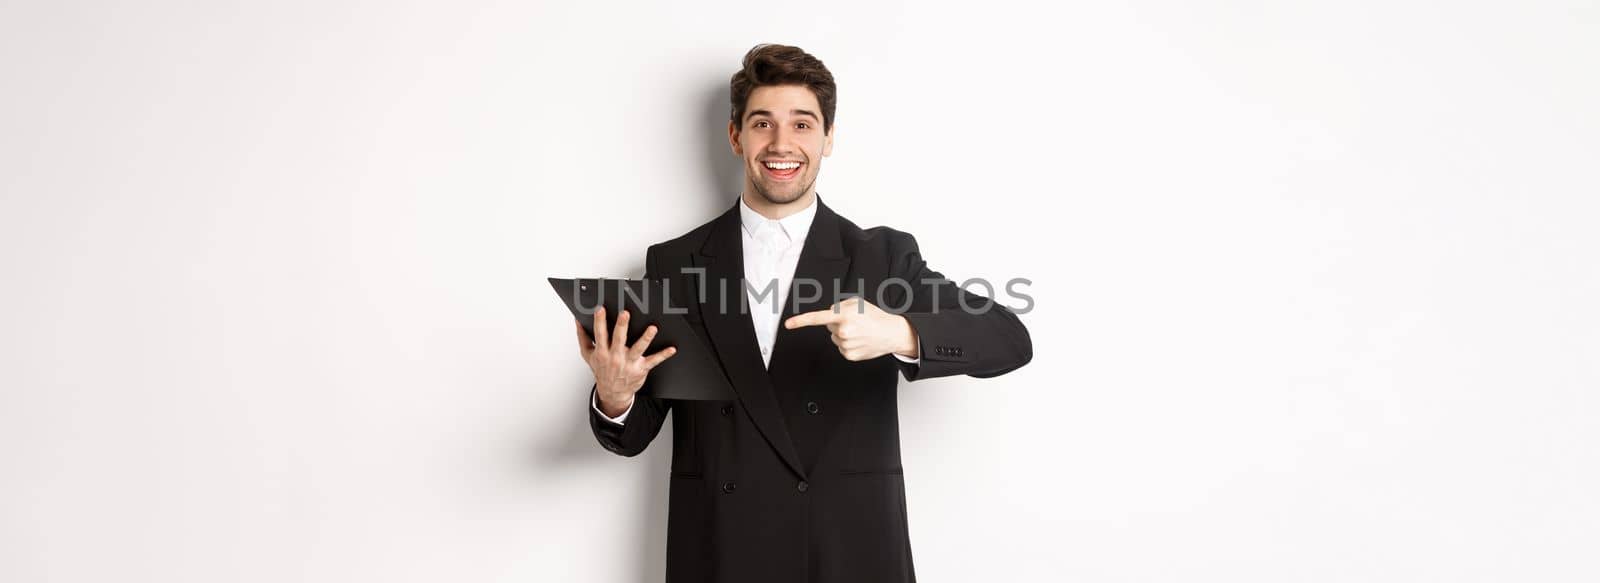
x: 861, y: 331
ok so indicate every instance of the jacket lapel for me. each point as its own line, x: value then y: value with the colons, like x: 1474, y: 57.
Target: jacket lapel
x: 822, y: 261
x: 733, y: 338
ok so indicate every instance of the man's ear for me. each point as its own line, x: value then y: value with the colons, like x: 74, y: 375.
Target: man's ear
x: 733, y: 140
x: 827, y: 145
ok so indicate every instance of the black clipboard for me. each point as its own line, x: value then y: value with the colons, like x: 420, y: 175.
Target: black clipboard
x: 691, y: 374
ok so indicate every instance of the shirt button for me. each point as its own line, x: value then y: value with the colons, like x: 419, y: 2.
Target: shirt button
x: 802, y: 486
x: 813, y: 408
x: 729, y: 487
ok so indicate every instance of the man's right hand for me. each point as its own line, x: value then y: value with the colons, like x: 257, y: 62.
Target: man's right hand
x: 619, y: 370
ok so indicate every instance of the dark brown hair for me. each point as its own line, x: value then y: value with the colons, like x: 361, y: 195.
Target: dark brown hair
x: 769, y: 64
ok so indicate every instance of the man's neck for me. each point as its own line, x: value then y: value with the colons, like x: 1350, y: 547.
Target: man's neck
x: 776, y: 211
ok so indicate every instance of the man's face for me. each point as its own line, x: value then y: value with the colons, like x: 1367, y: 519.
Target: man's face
x: 782, y: 142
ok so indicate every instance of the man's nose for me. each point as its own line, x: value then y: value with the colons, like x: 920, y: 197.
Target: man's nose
x: 782, y: 141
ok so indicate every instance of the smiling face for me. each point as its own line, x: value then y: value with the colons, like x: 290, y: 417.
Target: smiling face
x: 782, y: 142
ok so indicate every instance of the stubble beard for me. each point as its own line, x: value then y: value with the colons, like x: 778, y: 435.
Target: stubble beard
x: 777, y: 198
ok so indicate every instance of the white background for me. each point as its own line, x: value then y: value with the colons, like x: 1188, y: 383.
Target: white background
x: 1315, y: 285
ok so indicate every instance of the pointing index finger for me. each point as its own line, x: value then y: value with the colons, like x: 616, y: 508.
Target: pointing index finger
x: 817, y: 318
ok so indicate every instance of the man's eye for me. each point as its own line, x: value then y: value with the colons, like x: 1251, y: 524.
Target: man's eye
x: 802, y: 125
x: 761, y: 124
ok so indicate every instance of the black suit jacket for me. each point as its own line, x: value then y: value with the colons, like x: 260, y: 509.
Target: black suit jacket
x: 799, y: 480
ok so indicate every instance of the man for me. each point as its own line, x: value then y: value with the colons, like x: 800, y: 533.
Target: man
x: 798, y: 479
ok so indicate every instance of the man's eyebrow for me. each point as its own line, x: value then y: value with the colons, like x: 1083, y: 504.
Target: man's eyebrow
x: 796, y: 112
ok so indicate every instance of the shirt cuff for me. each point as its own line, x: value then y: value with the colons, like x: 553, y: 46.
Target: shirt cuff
x: 917, y: 360
x: 594, y: 401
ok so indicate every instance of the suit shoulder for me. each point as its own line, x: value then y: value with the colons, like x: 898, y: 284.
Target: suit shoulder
x: 886, y: 238
x: 685, y: 243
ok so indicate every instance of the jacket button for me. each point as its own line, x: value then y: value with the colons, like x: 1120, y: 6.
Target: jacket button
x: 727, y: 409
x: 802, y: 486
x: 729, y: 487
x: 813, y: 408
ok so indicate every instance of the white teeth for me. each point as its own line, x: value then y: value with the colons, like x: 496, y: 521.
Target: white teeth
x: 783, y: 165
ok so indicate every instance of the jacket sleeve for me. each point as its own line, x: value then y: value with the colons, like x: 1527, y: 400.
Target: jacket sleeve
x: 648, y: 413
x: 959, y: 332
x: 637, y: 431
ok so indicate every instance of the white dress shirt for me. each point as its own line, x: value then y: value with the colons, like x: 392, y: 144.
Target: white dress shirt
x: 771, y: 254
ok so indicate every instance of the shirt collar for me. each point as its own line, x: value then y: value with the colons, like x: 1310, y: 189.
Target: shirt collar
x: 795, y: 226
